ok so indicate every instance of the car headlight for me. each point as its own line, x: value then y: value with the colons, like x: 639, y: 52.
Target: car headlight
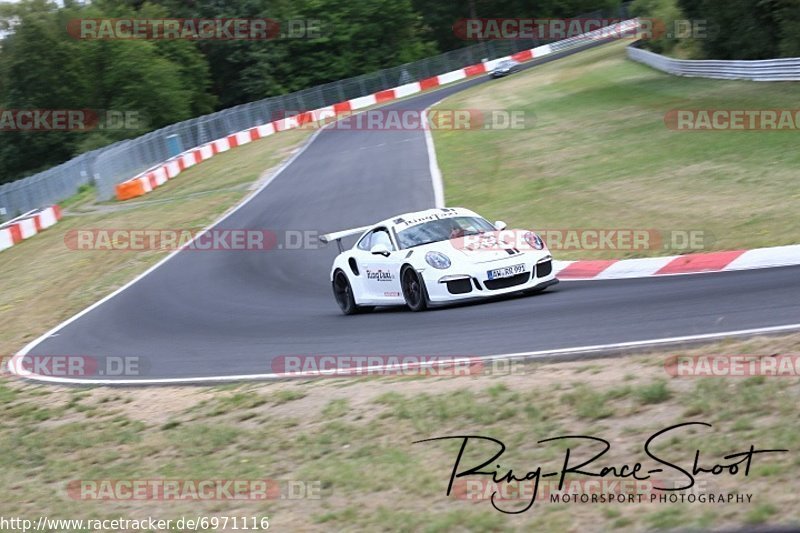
x: 534, y: 241
x: 437, y: 260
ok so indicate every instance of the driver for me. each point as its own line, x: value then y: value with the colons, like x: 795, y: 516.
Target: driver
x: 456, y: 231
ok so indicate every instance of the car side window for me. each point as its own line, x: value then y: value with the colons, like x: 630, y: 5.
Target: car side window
x: 381, y: 236
x: 363, y: 244
x: 378, y: 236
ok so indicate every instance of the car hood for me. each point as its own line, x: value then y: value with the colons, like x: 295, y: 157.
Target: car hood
x: 483, y: 248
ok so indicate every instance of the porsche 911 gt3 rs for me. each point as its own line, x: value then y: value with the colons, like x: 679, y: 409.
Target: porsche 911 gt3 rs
x: 436, y: 256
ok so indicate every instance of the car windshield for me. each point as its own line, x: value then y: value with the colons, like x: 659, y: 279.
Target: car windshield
x: 506, y: 64
x: 442, y: 230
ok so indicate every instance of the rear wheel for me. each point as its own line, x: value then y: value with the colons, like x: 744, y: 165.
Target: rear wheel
x: 343, y: 293
x: 414, y: 291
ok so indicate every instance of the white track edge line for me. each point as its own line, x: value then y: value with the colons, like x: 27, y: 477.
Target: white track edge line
x: 543, y: 354
x: 433, y: 163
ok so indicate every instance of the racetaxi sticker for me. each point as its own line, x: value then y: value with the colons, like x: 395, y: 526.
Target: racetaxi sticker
x: 379, y: 275
x: 446, y: 212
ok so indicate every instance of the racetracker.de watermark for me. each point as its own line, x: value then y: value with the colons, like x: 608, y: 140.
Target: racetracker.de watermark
x: 587, y: 239
x: 196, y: 29
x: 743, y: 365
x: 556, y: 29
x: 376, y: 365
x: 217, y: 239
x: 397, y: 366
x: 470, y: 29
x: 194, y: 489
x: 72, y: 120
x: 410, y: 119
x: 733, y: 119
x: 577, y: 29
x: 602, y: 490
x: 73, y: 366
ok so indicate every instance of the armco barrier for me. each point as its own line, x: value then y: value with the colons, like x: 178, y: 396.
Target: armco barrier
x: 763, y: 70
x: 155, y: 176
x: 28, y: 225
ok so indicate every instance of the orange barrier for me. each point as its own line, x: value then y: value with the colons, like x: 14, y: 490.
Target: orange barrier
x: 130, y: 189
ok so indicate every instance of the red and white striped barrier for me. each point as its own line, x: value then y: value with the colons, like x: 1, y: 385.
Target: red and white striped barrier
x: 679, y: 264
x: 28, y: 225
x: 6, y: 239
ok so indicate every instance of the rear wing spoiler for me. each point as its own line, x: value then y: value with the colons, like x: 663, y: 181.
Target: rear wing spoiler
x: 339, y: 235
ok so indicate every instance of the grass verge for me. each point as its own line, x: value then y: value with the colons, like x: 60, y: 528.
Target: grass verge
x: 601, y: 157
x: 44, y: 282
x: 352, y: 440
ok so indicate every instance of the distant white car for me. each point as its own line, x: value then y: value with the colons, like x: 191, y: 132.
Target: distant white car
x: 434, y: 257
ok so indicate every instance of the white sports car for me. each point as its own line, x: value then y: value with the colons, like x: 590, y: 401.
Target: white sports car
x: 436, y: 256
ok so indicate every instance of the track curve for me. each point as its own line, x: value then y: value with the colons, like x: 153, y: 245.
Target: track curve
x: 220, y: 314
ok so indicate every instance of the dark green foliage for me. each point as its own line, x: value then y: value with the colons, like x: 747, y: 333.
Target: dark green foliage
x: 736, y: 29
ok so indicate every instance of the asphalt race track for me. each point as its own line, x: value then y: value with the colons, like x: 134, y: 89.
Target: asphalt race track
x: 208, y: 314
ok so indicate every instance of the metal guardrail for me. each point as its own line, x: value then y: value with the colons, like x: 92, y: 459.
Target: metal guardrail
x: 756, y: 70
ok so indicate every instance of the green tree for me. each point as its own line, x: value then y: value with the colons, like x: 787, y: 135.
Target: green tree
x: 665, y: 13
x: 742, y: 29
x: 43, y: 67
x: 789, y: 17
x: 40, y: 71
x: 358, y: 37
x: 439, y: 17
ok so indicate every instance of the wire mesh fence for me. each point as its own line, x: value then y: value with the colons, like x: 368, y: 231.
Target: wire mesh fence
x: 113, y: 164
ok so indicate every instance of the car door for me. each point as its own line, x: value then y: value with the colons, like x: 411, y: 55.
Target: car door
x: 358, y: 260
x: 382, y: 272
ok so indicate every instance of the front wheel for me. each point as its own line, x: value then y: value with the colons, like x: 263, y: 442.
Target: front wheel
x: 414, y: 291
x: 343, y: 293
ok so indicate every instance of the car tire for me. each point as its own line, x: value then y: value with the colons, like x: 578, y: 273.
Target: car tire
x: 343, y: 293
x: 414, y: 291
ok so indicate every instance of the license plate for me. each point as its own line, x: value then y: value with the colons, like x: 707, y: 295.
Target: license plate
x: 505, y: 272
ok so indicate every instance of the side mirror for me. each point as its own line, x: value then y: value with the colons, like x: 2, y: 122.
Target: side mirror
x: 500, y: 225
x: 380, y: 249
